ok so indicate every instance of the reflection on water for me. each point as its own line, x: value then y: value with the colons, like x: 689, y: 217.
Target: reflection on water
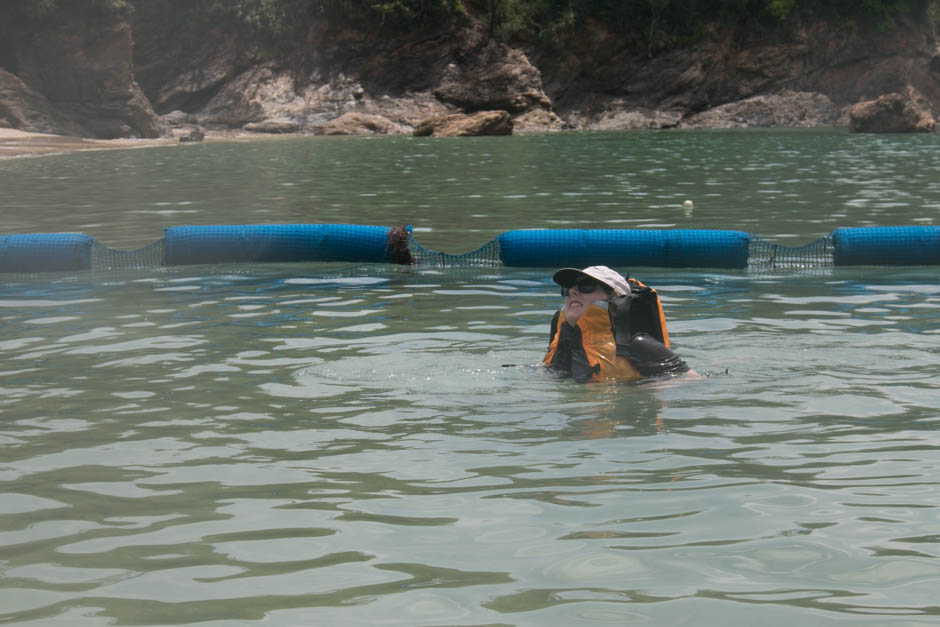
x: 323, y: 444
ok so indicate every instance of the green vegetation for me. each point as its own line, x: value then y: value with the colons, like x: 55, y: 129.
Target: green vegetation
x: 933, y: 12
x: 651, y: 24
x: 38, y: 9
x: 536, y: 17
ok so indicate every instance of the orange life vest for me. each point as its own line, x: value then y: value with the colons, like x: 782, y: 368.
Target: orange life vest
x: 597, y: 334
x: 599, y: 346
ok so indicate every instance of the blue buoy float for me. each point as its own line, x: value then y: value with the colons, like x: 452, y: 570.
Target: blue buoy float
x: 677, y: 248
x: 188, y: 245
x: 671, y: 248
x: 45, y: 252
x: 887, y: 246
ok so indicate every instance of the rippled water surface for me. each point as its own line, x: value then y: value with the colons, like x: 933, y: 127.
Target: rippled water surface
x: 791, y: 186
x: 339, y: 444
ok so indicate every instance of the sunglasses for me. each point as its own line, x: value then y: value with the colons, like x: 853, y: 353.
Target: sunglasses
x: 584, y: 286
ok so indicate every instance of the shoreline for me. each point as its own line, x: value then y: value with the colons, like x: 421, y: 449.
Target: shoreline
x: 16, y: 144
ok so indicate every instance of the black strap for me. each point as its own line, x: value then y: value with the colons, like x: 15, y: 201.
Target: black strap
x: 644, y: 313
x: 621, y: 322
x: 570, y: 357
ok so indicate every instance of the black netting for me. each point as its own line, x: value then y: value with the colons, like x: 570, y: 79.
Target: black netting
x: 486, y: 255
x: 104, y: 258
x: 764, y: 255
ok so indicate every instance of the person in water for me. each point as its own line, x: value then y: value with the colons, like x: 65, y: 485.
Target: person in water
x: 610, y: 328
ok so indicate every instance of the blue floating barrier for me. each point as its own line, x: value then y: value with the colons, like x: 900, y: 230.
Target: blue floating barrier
x: 45, y: 252
x: 675, y: 248
x: 886, y: 246
x: 186, y: 245
x: 679, y: 248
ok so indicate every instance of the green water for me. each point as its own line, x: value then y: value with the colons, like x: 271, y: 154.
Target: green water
x: 344, y: 444
x: 790, y: 186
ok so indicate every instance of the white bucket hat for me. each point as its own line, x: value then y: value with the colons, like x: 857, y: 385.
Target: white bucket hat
x: 567, y: 277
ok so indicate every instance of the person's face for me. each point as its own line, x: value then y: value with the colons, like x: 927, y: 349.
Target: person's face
x: 580, y: 296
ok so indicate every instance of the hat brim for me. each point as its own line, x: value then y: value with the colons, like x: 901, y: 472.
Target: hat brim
x: 567, y: 277
x: 615, y: 284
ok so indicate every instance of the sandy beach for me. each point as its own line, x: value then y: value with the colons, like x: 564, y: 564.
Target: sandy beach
x: 14, y: 143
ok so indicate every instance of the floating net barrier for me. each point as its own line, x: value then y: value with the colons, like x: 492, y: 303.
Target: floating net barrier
x: 671, y: 248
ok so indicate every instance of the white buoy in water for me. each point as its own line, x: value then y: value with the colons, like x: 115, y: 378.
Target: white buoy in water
x: 687, y: 204
x: 687, y: 208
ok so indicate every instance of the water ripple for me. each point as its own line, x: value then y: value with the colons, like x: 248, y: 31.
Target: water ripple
x: 345, y: 444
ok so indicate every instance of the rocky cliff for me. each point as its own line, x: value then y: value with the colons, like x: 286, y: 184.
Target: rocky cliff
x: 73, y: 75
x: 125, y: 74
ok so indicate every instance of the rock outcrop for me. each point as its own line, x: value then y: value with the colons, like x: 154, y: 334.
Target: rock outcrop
x: 179, y: 71
x: 362, y: 124
x: 191, y: 135
x: 82, y: 65
x: 592, y: 81
x: 79, y: 73
x: 24, y: 109
x: 737, y: 77
x: 462, y: 125
x: 495, y: 76
x: 906, y: 112
x: 786, y: 109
